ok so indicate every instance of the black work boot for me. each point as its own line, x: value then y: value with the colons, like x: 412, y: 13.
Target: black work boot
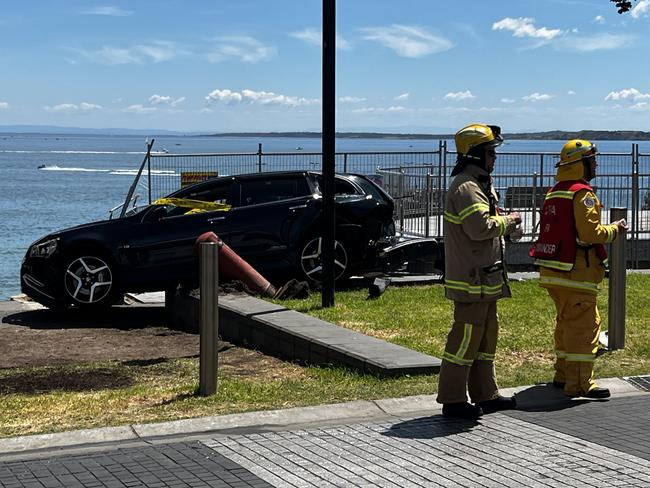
x: 498, y: 403
x: 462, y: 410
x: 598, y: 392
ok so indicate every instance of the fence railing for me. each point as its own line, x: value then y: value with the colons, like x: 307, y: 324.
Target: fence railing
x: 418, y: 181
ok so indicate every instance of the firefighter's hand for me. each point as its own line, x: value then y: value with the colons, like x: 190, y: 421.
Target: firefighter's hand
x: 516, y: 216
x: 516, y: 234
x: 621, y: 226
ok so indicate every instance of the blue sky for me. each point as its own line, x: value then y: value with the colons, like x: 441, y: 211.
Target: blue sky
x: 254, y: 65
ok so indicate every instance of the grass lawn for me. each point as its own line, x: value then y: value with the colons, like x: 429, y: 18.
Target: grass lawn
x: 415, y: 317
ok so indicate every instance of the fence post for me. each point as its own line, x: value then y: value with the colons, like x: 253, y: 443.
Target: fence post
x: 149, y: 175
x: 427, y: 213
x: 442, y: 183
x: 208, y: 319
x: 617, y: 276
x: 345, y: 162
x: 534, y: 204
x: 259, y: 157
x: 636, y: 207
x: 402, y: 190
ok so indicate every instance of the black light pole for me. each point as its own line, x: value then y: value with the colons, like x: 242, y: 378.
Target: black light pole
x: 329, y: 149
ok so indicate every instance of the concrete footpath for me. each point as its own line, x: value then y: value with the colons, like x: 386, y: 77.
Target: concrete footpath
x: 550, y: 441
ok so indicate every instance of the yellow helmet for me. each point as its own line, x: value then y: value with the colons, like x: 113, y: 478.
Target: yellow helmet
x: 475, y: 135
x: 576, y: 150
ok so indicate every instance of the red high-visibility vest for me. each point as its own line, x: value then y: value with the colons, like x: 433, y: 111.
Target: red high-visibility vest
x: 558, y: 238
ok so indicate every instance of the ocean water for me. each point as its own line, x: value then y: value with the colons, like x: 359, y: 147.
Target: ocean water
x: 86, y: 175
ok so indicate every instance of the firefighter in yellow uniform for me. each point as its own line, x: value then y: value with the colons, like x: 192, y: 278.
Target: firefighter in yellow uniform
x: 475, y: 277
x: 572, y: 260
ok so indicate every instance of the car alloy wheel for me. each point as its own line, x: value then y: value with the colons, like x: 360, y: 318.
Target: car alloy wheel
x: 311, y: 260
x: 88, y: 280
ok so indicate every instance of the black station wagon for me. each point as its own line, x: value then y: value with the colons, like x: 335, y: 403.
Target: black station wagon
x: 272, y: 220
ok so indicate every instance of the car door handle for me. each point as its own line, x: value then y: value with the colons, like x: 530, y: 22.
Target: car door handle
x: 216, y: 219
x: 298, y: 207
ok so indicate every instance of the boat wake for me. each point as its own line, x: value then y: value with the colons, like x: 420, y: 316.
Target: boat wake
x: 118, y: 172
x: 54, y: 167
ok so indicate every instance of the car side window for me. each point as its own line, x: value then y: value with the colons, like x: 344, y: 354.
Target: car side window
x: 341, y: 187
x: 222, y: 192
x: 265, y: 190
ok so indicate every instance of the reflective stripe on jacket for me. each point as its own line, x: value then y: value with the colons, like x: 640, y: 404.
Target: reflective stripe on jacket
x: 473, y: 236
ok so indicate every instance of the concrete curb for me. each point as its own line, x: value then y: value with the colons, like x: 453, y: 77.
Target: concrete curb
x: 355, y: 411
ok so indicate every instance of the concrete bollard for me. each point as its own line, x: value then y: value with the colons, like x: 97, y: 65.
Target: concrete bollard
x: 208, y: 318
x: 617, y: 279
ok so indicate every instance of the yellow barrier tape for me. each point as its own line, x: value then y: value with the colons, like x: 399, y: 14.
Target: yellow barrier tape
x: 195, y: 205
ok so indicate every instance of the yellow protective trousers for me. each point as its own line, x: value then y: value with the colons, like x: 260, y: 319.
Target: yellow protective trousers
x: 468, y: 360
x: 577, y: 328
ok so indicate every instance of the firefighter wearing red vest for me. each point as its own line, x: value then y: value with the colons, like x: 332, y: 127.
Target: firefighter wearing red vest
x: 572, y: 260
x: 475, y: 277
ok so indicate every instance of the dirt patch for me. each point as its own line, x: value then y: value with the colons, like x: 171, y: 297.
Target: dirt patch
x: 135, y: 334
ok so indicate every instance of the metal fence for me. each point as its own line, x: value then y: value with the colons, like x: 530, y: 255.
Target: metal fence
x: 418, y: 181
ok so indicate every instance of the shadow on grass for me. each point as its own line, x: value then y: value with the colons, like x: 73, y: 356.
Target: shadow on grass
x: 27, y: 383
x: 123, y: 318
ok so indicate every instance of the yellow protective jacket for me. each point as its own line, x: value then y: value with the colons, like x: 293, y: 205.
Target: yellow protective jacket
x: 475, y: 269
x: 588, y: 269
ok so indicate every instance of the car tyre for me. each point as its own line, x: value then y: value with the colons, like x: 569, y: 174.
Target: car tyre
x: 311, y: 260
x: 89, y: 280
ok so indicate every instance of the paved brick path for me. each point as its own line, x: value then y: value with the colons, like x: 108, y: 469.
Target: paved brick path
x: 571, y: 444
x: 178, y: 465
x: 500, y: 451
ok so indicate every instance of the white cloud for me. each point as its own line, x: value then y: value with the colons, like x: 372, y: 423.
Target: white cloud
x: 629, y: 93
x: 244, y: 48
x: 381, y: 110
x: 225, y: 95
x: 155, y: 52
x: 563, y: 40
x: 465, y: 95
x: 640, y: 106
x: 524, y: 27
x: 270, y: 98
x: 258, y: 98
x: 315, y: 36
x: 403, y: 96
x: 507, y: 100
x: 407, y: 41
x: 641, y: 9
x: 139, y: 109
x: 72, y: 108
x: 351, y: 99
x: 570, y: 92
x: 537, y: 97
x: 598, y: 42
x: 309, y: 35
x: 109, y: 10
x: 156, y: 99
x: 599, y: 19
x: 4, y: 105
x: 164, y: 99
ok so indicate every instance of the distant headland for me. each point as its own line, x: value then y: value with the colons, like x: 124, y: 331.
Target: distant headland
x: 602, y: 135
x: 554, y: 135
